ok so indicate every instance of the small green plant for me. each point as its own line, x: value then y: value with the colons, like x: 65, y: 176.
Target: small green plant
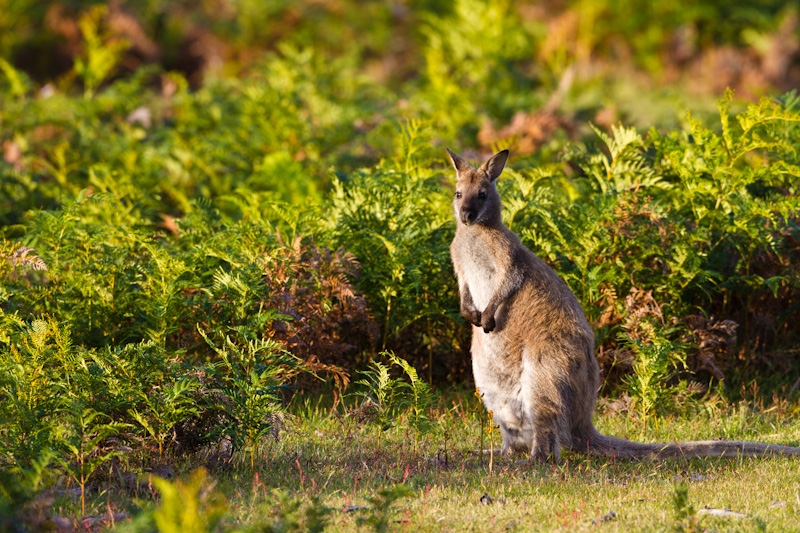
x: 291, y: 515
x: 167, y: 277
x: 21, y: 484
x: 419, y: 400
x: 161, y: 409
x: 17, y: 81
x: 655, y: 360
x: 626, y: 166
x: 686, y: 519
x: 487, y: 429
x: 490, y: 430
x: 381, y: 503
x: 80, y: 434
x: 388, y: 396
x: 249, y: 377
x: 100, y: 55
x: 192, y: 505
x: 380, y: 394
x: 35, y: 362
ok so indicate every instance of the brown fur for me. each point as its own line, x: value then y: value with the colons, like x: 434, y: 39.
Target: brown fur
x: 532, y: 347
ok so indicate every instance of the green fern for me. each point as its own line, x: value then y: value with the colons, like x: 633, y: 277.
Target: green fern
x: 419, y: 402
x: 380, y: 394
x: 101, y: 54
x: 249, y: 376
x: 656, y: 359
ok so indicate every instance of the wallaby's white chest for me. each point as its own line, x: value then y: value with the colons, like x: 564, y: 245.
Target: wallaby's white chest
x: 478, y: 272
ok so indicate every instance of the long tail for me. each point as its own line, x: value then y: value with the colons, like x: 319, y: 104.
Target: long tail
x: 614, y: 447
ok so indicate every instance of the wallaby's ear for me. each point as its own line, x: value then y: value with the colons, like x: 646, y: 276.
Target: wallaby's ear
x: 495, y: 164
x: 458, y: 162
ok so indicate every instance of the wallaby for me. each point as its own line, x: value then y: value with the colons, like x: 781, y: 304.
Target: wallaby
x: 532, y: 347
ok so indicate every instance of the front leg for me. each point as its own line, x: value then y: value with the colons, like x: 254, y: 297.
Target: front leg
x: 468, y: 309
x: 486, y: 320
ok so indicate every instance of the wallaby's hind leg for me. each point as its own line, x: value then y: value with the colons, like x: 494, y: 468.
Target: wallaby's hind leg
x: 543, y: 405
x: 547, y: 414
x: 546, y: 446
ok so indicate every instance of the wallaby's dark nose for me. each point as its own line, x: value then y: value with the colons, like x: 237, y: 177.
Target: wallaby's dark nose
x: 468, y: 215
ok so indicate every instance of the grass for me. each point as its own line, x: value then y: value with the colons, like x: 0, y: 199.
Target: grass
x: 326, y: 461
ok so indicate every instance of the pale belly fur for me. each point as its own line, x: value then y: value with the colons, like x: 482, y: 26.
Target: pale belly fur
x: 504, y: 390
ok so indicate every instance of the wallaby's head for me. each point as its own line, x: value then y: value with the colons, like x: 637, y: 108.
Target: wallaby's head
x: 476, y: 200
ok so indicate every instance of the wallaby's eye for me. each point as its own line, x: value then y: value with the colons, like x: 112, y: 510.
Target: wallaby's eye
x: 458, y: 194
x: 482, y: 195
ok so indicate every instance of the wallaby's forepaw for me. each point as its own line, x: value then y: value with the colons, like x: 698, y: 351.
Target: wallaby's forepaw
x: 487, y: 322
x: 473, y: 316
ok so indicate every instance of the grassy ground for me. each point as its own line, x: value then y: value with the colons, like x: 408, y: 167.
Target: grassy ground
x: 335, y: 464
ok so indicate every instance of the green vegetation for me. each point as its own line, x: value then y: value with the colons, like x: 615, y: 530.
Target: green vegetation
x: 226, y: 301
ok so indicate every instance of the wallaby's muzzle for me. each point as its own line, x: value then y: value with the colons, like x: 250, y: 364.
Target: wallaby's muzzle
x: 468, y: 215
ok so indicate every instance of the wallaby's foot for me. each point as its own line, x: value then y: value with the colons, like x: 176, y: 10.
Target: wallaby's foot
x: 497, y: 452
x: 546, y: 449
x: 545, y: 458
